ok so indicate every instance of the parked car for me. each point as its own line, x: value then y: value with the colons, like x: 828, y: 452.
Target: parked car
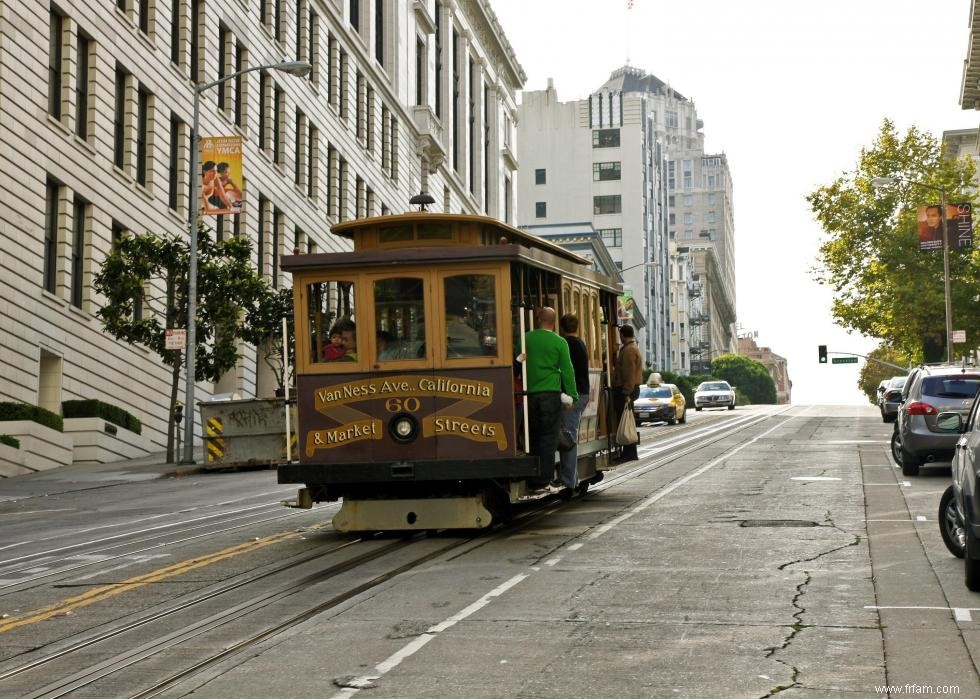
x: 959, y: 508
x: 714, y: 394
x: 664, y: 402
x: 890, y: 397
x: 930, y: 391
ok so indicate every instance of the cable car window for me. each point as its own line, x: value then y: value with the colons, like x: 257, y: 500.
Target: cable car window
x: 399, y: 311
x: 332, y: 327
x: 471, y: 316
x: 395, y: 234
x: 436, y: 231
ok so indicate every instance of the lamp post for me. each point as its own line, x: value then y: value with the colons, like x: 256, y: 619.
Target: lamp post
x: 885, y: 181
x: 298, y: 68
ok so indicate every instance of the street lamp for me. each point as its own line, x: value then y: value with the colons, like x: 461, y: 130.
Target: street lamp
x: 886, y: 181
x: 642, y: 264
x: 298, y: 68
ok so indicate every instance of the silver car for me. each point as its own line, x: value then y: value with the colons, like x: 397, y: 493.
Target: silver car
x: 959, y: 508
x: 917, y: 439
x: 714, y: 394
x: 890, y: 397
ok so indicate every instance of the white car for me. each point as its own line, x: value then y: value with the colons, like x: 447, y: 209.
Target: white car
x: 714, y: 394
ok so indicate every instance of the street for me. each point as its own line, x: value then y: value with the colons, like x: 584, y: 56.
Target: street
x: 766, y: 551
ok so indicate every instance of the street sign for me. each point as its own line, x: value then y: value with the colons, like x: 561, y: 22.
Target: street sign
x: 959, y: 336
x: 843, y: 360
x: 176, y: 339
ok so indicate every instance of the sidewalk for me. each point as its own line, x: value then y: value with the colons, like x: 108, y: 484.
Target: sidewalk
x: 82, y: 476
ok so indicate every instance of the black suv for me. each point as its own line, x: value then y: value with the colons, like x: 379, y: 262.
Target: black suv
x: 929, y: 391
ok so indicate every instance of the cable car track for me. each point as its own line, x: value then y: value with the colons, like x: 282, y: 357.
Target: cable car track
x: 697, y: 439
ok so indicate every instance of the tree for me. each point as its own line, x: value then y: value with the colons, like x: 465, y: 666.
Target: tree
x: 226, y: 283
x: 263, y: 328
x: 883, y: 286
x: 748, y: 375
x: 873, y: 373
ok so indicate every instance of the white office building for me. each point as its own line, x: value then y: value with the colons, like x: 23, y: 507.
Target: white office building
x: 97, y: 96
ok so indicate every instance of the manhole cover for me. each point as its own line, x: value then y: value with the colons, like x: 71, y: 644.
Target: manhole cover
x: 777, y: 523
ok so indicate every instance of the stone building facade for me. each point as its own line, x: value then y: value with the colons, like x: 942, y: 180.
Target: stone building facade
x: 97, y: 96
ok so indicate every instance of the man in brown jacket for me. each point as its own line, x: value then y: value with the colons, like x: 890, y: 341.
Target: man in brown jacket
x: 628, y: 377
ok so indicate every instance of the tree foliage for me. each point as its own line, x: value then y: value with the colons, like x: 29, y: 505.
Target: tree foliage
x: 749, y: 376
x: 883, y: 286
x: 227, y: 283
x: 873, y: 373
x: 263, y: 328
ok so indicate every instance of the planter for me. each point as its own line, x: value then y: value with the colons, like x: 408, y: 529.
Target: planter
x: 41, y: 447
x: 246, y: 432
x: 97, y: 441
x: 11, y: 462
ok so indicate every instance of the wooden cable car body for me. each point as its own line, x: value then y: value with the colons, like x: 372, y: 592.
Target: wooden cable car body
x: 415, y: 418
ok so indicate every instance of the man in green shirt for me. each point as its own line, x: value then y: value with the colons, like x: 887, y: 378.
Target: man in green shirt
x: 549, y: 371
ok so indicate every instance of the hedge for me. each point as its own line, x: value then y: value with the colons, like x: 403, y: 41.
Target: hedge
x: 24, y: 411
x: 96, y: 408
x: 10, y: 441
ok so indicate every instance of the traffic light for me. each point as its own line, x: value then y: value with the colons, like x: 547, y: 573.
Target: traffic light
x: 822, y: 349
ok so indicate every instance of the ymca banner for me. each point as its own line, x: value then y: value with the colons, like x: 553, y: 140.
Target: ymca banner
x: 221, y: 173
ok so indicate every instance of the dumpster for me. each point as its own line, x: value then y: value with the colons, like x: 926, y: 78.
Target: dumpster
x: 246, y: 432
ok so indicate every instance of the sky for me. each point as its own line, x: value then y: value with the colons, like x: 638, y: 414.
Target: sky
x: 790, y: 92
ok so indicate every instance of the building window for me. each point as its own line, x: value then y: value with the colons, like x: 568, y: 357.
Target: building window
x: 688, y: 200
x: 56, y: 22
x: 197, y: 18
x: 302, y: 32
x: 52, y: 193
x: 421, y: 62
x: 712, y: 198
x: 359, y: 197
x: 342, y: 85
x: 333, y: 68
x: 241, y: 61
x: 260, y: 241
x: 541, y: 209
x: 299, y: 150
x: 176, y: 20
x: 360, y: 107
x: 379, y: 31
x: 82, y: 87
x: 278, y: 132
x: 224, y: 53
x: 314, y: 48
x: 144, y: 103
x: 144, y: 18
x: 671, y: 178
x: 176, y: 129
x: 671, y: 119
x: 671, y: 219
x: 609, y: 204
x: 385, y: 139
x: 605, y: 138
x: 277, y: 236
x: 312, y: 155
x: 612, y: 237
x: 711, y: 217
x: 394, y: 148
x: 343, y: 194
x: 688, y: 218
x: 438, y: 16
x: 606, y: 171
x: 355, y: 15
x: 265, y: 88
x: 686, y: 172
x: 540, y: 176
x: 119, y: 118
x: 77, y: 251
x: 371, y: 120
x: 456, y: 135
x: 331, y: 181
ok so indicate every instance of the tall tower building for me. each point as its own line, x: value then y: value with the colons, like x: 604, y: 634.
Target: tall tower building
x: 599, y: 160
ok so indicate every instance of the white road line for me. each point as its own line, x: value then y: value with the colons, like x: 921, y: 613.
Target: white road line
x: 392, y: 661
x: 576, y: 546
x: 552, y: 561
x: 814, y: 478
x: 959, y: 613
x: 920, y: 518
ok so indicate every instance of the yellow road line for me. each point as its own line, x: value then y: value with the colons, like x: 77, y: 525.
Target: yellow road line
x: 105, y: 592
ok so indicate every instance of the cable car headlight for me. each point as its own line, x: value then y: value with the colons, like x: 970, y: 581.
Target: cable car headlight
x: 403, y: 428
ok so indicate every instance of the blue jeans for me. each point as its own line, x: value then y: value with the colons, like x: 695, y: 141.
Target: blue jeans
x: 568, y: 471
